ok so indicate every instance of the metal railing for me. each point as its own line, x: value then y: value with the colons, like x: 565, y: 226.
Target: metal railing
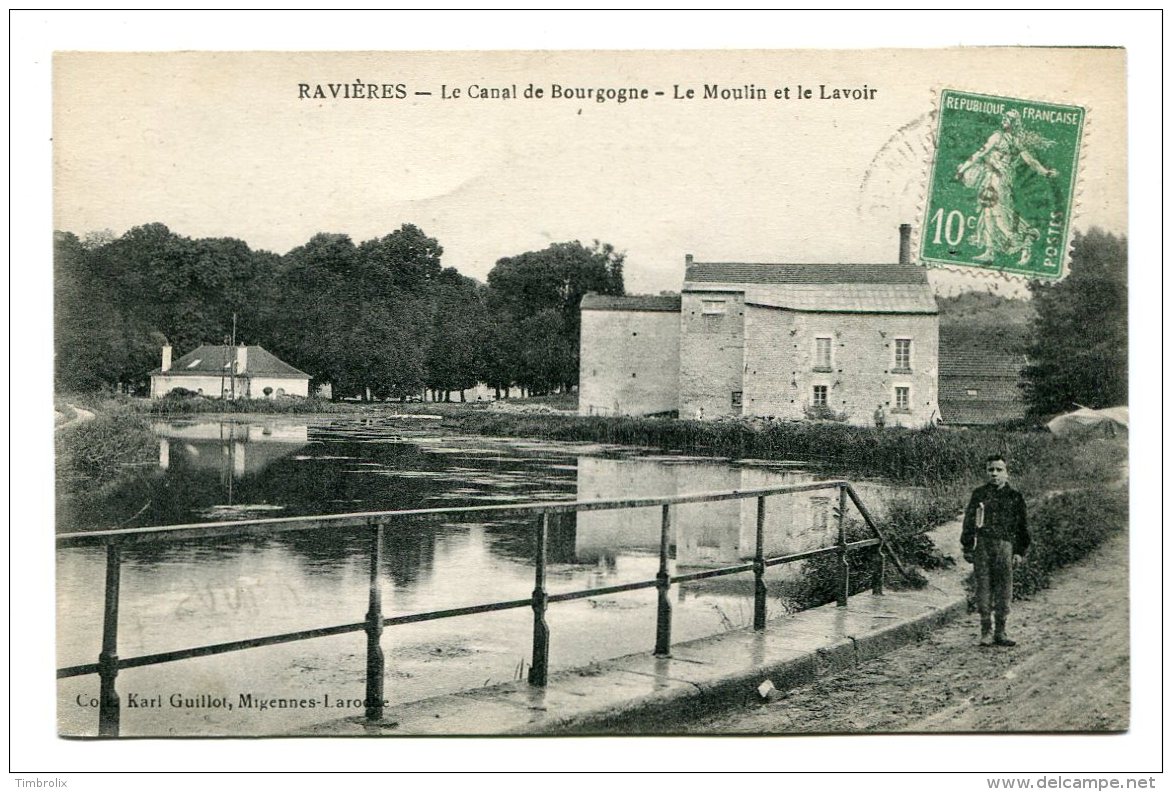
x: 109, y: 663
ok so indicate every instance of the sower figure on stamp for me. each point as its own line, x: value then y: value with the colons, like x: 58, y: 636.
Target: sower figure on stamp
x: 994, y: 538
x: 1000, y: 227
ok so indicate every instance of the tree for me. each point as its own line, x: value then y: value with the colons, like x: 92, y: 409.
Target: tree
x: 97, y: 341
x: 499, y: 354
x: 119, y: 299
x: 360, y: 317
x: 1078, y: 349
x: 405, y: 260
x: 309, y: 312
x: 458, y: 324
x: 541, y: 291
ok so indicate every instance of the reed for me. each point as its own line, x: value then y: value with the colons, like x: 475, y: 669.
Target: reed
x: 930, y: 457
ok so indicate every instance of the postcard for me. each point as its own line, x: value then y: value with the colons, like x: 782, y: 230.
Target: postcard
x: 591, y: 392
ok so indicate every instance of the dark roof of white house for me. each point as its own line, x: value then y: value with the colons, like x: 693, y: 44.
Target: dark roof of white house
x: 832, y: 288
x: 217, y: 359
x: 631, y: 302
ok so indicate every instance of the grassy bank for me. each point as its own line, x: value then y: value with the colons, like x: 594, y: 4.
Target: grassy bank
x: 96, y: 451
x: 925, y: 457
x: 199, y: 406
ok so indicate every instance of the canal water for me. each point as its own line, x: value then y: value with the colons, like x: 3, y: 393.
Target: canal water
x: 184, y: 594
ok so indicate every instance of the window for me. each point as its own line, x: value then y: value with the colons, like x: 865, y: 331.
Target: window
x: 820, y: 395
x: 713, y: 312
x: 738, y: 398
x: 903, y: 354
x: 822, y: 349
x: 971, y: 392
x: 903, y: 398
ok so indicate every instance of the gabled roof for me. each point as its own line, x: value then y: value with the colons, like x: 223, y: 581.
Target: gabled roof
x: 217, y: 359
x: 829, y: 274
x: 838, y: 288
x: 982, y: 352
x: 632, y: 302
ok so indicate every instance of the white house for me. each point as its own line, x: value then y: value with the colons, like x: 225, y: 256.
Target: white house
x: 241, y: 372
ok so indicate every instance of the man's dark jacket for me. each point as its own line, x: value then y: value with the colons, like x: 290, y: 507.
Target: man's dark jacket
x: 1005, y: 518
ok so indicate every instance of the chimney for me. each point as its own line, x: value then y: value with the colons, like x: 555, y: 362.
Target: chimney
x: 241, y: 358
x: 905, y: 243
x: 166, y: 357
x: 687, y: 259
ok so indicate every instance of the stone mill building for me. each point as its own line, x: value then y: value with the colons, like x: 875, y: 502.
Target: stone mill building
x: 784, y: 341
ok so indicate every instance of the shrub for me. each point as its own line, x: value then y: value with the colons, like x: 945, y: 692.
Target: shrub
x: 1066, y: 528
x: 95, y: 451
x: 819, y: 580
x: 910, y: 518
x: 184, y: 406
x: 823, y: 412
x: 907, y: 521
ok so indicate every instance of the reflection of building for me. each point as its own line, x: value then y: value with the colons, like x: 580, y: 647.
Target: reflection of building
x: 233, y: 449
x: 242, y: 372
x: 788, y: 341
x: 703, y: 534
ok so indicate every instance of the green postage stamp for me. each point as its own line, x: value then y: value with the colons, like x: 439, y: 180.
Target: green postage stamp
x: 1001, y: 188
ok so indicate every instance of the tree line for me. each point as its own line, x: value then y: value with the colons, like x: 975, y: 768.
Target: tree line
x: 382, y: 318
x: 385, y: 317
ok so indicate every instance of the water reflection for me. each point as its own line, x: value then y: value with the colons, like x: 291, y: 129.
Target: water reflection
x: 703, y: 534
x: 186, y: 593
x: 234, y: 451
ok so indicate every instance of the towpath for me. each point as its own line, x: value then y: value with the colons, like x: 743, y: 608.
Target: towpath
x: 75, y: 415
x: 1069, y: 672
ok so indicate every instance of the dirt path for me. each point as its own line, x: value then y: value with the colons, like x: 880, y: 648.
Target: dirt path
x: 62, y: 420
x: 1069, y: 672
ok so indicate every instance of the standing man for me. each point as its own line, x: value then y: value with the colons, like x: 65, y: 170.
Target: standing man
x: 994, y: 538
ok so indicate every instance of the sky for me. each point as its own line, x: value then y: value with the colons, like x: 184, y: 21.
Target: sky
x: 224, y: 145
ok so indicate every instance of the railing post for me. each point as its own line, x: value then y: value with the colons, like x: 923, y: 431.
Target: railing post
x: 844, y: 570
x: 109, y: 706
x: 759, y: 590
x: 375, y: 661
x: 663, y: 586
x: 878, y: 572
x: 539, y: 670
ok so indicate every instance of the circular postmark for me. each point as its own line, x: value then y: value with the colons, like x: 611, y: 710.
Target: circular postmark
x: 892, y: 187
